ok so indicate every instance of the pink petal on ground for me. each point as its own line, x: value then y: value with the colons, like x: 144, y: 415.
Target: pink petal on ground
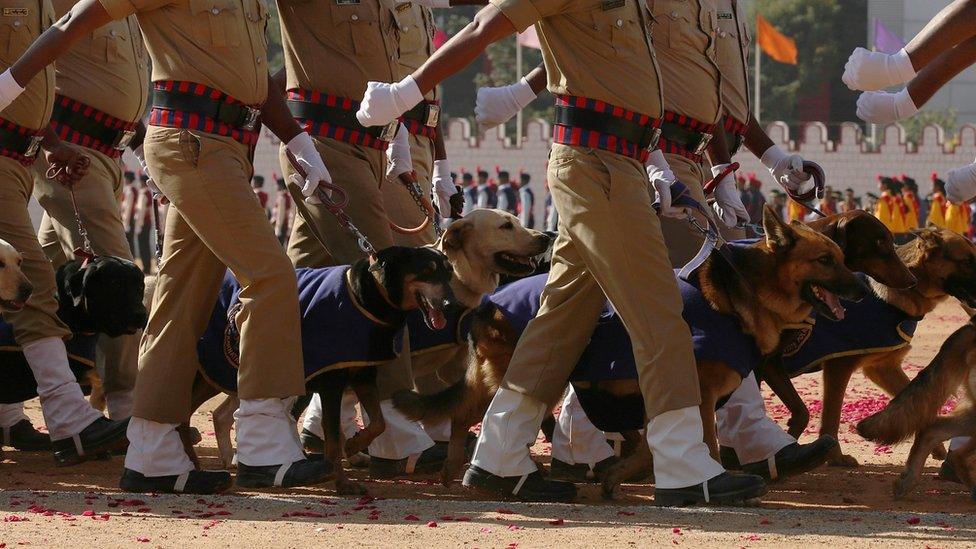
x: 557, y: 522
x: 913, y: 520
x: 411, y: 518
x: 431, y: 524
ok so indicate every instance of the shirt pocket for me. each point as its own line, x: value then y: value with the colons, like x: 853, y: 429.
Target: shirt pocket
x: 727, y: 49
x: 357, y: 28
x: 676, y: 24
x: 258, y: 16
x: 18, y: 28
x: 217, y: 22
x: 618, y: 21
x: 110, y: 43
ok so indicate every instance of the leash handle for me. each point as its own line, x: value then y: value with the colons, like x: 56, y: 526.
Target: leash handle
x: 409, y: 180
x: 819, y: 177
x: 709, y: 187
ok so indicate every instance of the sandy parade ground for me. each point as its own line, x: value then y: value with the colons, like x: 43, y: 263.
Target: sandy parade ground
x: 44, y: 506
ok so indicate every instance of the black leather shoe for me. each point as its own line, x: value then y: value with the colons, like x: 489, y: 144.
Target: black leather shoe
x: 429, y: 461
x: 728, y: 457
x: 793, y: 459
x: 947, y: 472
x: 101, y: 436
x: 300, y: 473
x: 531, y: 487
x: 24, y: 437
x: 192, y: 482
x: 725, y: 489
x: 580, y: 472
x: 311, y: 443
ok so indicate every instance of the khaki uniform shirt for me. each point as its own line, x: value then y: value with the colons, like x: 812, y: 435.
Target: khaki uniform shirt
x: 21, y: 22
x: 599, y: 49
x: 684, y: 37
x: 108, y: 69
x: 732, y: 47
x: 217, y: 43
x: 416, y: 25
x: 336, y: 47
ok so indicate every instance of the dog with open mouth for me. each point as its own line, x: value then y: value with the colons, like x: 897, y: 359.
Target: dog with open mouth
x: 352, y: 322
x: 15, y: 289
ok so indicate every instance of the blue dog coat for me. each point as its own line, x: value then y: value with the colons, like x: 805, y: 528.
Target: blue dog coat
x: 424, y: 340
x: 869, y: 326
x: 336, y: 331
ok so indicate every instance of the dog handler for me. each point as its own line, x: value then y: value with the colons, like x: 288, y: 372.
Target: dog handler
x: 76, y: 429
x: 600, y: 188
x: 102, y: 84
x: 331, y: 51
x: 198, y: 150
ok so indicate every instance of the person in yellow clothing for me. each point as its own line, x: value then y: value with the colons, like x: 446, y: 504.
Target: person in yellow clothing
x: 937, y: 203
x: 957, y: 218
x: 795, y: 211
x: 889, y: 207
x: 909, y: 195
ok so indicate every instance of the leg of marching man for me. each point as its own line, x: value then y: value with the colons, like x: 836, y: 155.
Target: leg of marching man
x: 580, y: 452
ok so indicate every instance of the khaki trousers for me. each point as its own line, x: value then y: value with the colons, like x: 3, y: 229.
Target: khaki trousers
x: 215, y: 223
x: 682, y: 240
x: 98, y: 197
x: 39, y: 319
x: 609, y: 246
x: 318, y: 240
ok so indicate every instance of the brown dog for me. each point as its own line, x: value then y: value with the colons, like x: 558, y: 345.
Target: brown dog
x: 915, y: 410
x: 944, y: 264
x: 15, y: 289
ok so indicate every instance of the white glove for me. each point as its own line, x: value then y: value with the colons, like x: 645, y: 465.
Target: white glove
x: 443, y: 186
x: 873, y: 70
x: 398, y: 160
x: 728, y: 201
x: 880, y: 107
x: 140, y: 155
x: 786, y: 169
x: 495, y: 106
x: 961, y: 184
x: 9, y: 89
x: 311, y: 162
x: 383, y: 103
x: 661, y: 177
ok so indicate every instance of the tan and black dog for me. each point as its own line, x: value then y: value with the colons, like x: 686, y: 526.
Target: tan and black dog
x: 15, y: 289
x: 915, y: 411
x: 776, y: 282
x: 944, y: 264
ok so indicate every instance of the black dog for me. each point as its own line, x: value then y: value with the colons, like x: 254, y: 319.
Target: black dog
x: 352, y: 320
x: 102, y: 297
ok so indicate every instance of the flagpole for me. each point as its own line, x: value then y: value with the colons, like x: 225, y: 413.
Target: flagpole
x: 757, y: 89
x: 518, y: 78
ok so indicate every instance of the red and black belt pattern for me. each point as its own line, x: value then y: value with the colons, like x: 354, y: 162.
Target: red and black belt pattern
x: 326, y: 115
x: 685, y: 136
x: 597, y: 124
x: 81, y: 124
x: 187, y: 105
x: 735, y: 134
x: 20, y: 143
x: 423, y: 118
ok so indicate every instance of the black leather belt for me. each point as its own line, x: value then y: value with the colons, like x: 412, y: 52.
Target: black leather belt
x: 26, y: 145
x: 234, y: 115
x: 692, y: 141
x: 334, y: 116
x: 118, y: 139
x: 428, y: 114
x: 645, y: 137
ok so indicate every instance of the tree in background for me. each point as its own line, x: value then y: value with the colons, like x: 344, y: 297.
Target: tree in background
x: 946, y: 119
x: 825, y: 31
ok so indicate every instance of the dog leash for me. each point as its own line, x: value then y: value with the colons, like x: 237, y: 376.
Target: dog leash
x: 158, y: 228
x: 60, y: 174
x: 817, y: 192
x: 423, y: 203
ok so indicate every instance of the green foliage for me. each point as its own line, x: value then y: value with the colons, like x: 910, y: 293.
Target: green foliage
x: 944, y: 118
x: 825, y: 31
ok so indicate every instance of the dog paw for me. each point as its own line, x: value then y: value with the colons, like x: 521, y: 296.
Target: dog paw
x: 902, y: 486
x: 349, y: 488
x: 842, y: 460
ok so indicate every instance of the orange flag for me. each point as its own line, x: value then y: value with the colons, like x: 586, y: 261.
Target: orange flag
x: 776, y: 45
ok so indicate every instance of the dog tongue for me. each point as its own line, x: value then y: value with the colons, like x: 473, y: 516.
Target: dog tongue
x: 436, y: 318
x: 831, y: 299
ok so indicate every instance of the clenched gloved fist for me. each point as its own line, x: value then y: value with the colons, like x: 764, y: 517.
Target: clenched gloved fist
x: 873, y: 70
x: 495, y: 106
x: 786, y: 169
x: 728, y: 201
x: 398, y: 160
x: 443, y: 187
x: 9, y: 89
x: 309, y: 160
x: 880, y: 107
x: 383, y: 103
x: 661, y: 177
x: 961, y: 184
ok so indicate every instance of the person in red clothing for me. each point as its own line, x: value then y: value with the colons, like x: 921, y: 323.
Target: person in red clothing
x: 257, y: 183
x: 282, y: 214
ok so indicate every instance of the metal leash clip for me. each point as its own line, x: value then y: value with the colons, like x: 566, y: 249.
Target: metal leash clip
x: 60, y: 174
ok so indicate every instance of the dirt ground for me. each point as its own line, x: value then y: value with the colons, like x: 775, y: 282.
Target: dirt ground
x: 45, y: 506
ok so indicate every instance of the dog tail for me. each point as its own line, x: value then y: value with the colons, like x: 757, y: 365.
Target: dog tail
x: 433, y: 407
x: 918, y: 404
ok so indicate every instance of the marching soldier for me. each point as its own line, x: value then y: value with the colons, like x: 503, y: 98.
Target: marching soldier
x: 527, y: 199
x: 76, y: 430
x: 331, y: 51
x: 198, y: 147
x: 607, y: 113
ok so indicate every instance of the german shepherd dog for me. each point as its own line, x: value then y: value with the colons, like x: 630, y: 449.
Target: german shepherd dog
x: 944, y: 264
x: 401, y: 280
x: 776, y: 281
x: 915, y: 410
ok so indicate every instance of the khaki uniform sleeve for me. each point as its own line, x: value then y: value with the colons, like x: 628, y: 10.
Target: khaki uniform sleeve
x: 120, y: 9
x: 525, y: 13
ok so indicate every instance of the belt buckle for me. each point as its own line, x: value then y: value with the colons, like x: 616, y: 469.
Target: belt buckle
x: 251, y: 117
x: 433, y: 115
x: 34, y: 146
x: 389, y: 132
x: 123, y: 140
x: 655, y: 139
x: 703, y: 144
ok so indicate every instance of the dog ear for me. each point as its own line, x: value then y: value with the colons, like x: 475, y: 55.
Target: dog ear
x: 779, y: 235
x: 455, y: 235
x: 76, y: 286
